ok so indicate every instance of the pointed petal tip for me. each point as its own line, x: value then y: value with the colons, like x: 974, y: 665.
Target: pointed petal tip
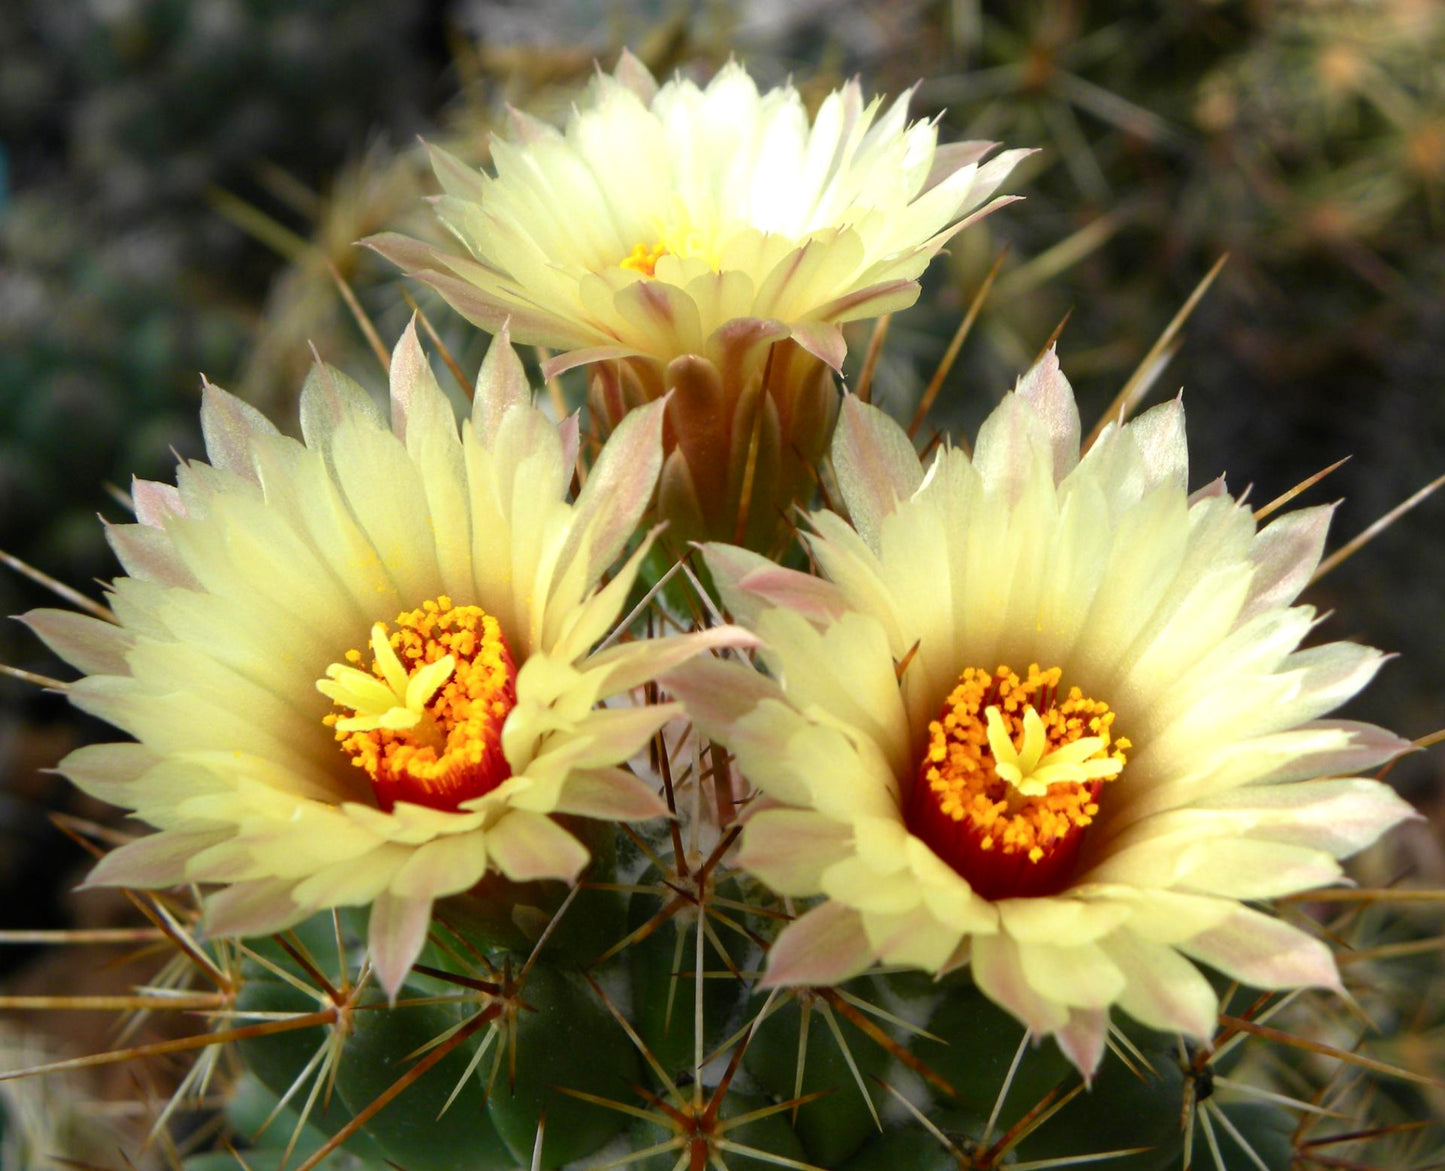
x: 395, y: 938
x: 636, y: 76
x: 1083, y: 1041
x: 824, y: 340
x: 380, y: 242
x: 501, y: 384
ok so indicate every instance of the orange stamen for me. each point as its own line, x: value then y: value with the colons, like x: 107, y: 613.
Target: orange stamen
x: 436, y: 738
x: 1011, y: 780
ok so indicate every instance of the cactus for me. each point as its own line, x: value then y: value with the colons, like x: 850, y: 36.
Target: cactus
x: 622, y: 1022
x: 515, y: 1043
x: 625, y: 1020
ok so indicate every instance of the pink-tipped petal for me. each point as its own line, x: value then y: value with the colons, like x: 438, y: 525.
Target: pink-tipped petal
x: 999, y: 974
x: 1263, y: 952
x: 876, y: 464
x: 582, y: 356
x: 252, y: 908
x: 634, y: 663
x: 718, y: 694
x: 157, y: 860
x: 403, y: 251
x: 1046, y: 389
x: 1159, y: 433
x: 954, y: 156
x: 620, y: 485
x: 527, y: 129
x: 104, y: 770
x: 527, y: 846
x: 790, y: 848
x: 1338, y: 816
x: 818, y: 600
x: 86, y: 643
x: 873, y: 301
x: 230, y: 427
x: 991, y: 174
x: 750, y: 583
x: 1012, y: 446
x: 734, y: 342
x: 1365, y: 747
x: 456, y: 179
x: 569, y: 430
x: 327, y: 399
x: 610, y: 794
x: 826, y: 946
x: 147, y: 553
x: 823, y: 340
x: 501, y: 385
x: 411, y: 375
x: 155, y: 502
x: 529, y: 325
x: 1285, y: 554
x: 1082, y: 1039
x: 398, y: 931
x: 443, y: 866
x: 1211, y: 491
x: 1165, y: 991
x: 635, y: 76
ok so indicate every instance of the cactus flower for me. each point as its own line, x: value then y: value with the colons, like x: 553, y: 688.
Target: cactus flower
x: 1046, y: 716
x: 359, y: 669
x: 684, y: 232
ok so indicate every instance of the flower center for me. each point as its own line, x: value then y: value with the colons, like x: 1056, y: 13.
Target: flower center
x: 644, y: 259
x: 1011, y: 779
x: 677, y: 233
x: 425, y: 720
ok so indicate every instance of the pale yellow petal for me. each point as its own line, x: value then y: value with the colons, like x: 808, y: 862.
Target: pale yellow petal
x: 527, y: 846
x: 825, y: 946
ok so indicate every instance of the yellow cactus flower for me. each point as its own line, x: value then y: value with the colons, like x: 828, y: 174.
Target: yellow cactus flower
x: 676, y: 236
x: 1046, y: 716
x: 360, y: 669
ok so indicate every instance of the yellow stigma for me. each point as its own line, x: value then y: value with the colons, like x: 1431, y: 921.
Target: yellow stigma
x: 644, y: 259
x: 678, y: 233
x: 1035, y: 766
x: 1011, y: 777
x: 425, y: 721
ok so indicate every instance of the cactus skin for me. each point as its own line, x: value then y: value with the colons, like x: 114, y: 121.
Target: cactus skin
x: 664, y: 1005
x: 837, y: 1124
x: 497, y: 977
x: 550, y: 1032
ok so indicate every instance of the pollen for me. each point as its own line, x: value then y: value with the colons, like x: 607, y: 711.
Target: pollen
x: 423, y: 718
x: 678, y: 233
x: 644, y: 258
x: 1011, y: 778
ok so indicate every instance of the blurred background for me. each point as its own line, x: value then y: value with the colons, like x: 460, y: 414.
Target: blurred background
x: 181, y: 183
